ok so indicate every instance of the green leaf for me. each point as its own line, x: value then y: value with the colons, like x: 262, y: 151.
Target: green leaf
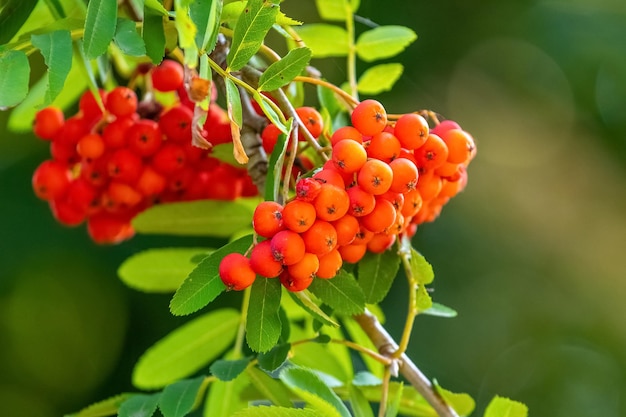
x: 100, y: 26
x: 383, y: 42
x: 263, y: 324
x: 504, y: 407
x: 342, y: 293
x: 314, y: 391
x: 186, y: 30
x: 153, y: 34
x: 159, y: 270
x: 103, y: 408
x: 128, y: 39
x: 439, y: 310
x: 195, y: 218
x: 155, y: 6
x: 204, y: 284
x: 324, y: 40
x: 272, y: 389
x: 393, y: 402
x: 224, y: 152
x: 275, y: 166
x: 331, y: 359
x: 178, y: 399
x: 273, y: 359
x: 206, y: 16
x: 252, y: 25
x: 360, y: 406
x: 56, y: 48
x: 463, y: 404
x: 140, y: 405
x: 423, y: 301
x: 335, y: 9
x: 376, y: 273
x: 421, y: 269
x: 187, y: 349
x: 282, y: 72
x: 273, y: 411
x: 14, y: 75
x: 234, y: 102
x: 227, y: 370
x: 225, y: 398
x: 379, y: 78
x: 270, y: 113
x: 13, y: 14
x: 359, y: 336
x: 303, y: 299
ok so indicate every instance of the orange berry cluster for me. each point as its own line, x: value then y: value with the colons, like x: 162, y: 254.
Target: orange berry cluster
x: 382, y: 180
x: 112, y: 160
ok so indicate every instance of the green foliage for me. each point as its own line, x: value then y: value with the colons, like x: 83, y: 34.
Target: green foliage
x: 225, y: 398
x: 463, y: 404
x: 187, y: 349
x: 275, y: 165
x: 360, y: 406
x: 14, y: 72
x: 342, y: 293
x: 128, y: 39
x: 379, y: 78
x: 273, y: 359
x: 263, y: 326
x: 13, y: 14
x: 324, y: 40
x: 140, y: 405
x: 272, y: 389
x: 153, y: 35
x: 376, y: 273
x: 103, y: 408
x: 439, y: 310
x: 178, y: 399
x: 56, y: 48
x: 272, y: 411
x: 100, y: 25
x: 504, y: 407
x: 336, y: 10
x: 383, y: 42
x: 227, y: 370
x: 282, y: 72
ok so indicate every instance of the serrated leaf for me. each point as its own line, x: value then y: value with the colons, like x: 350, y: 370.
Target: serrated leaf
x: 383, y: 42
x: 195, y: 218
x: 56, y: 48
x: 462, y: 403
x: 423, y: 300
x: 360, y: 406
x: 235, y: 114
x: 255, y: 21
x: 439, y: 310
x: 376, y: 273
x: 283, y: 20
x: 273, y: 359
x: 328, y: 359
x: 14, y: 77
x: 159, y: 270
x: 206, y: 17
x: 272, y: 389
x: 100, y: 26
x: 263, y: 324
x: 128, y: 39
x: 185, y: 27
x: 342, y: 293
x: 282, y: 72
x: 303, y: 299
x: 273, y: 411
x: 104, y: 408
x: 178, y: 399
x: 379, y: 78
x: 324, y: 40
x: 504, y: 407
x: 421, y: 269
x: 13, y: 14
x: 393, y: 402
x: 140, y: 405
x: 314, y: 391
x: 270, y: 113
x: 224, y: 398
x: 335, y: 9
x: 186, y: 349
x: 227, y: 370
x: 204, y: 284
x: 153, y: 34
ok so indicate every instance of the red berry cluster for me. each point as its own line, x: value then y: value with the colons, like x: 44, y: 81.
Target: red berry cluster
x: 381, y: 181
x: 114, y: 159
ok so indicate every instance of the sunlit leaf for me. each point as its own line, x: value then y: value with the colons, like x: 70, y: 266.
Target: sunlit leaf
x: 324, y: 40
x: 227, y: 370
x: 206, y: 17
x: 463, y: 404
x: 186, y: 349
x: 383, y: 42
x: 128, y: 39
x: 342, y: 293
x: 140, y: 405
x: 324, y: 358
x: 376, y: 273
x: 263, y: 323
x: 255, y: 21
x: 195, y: 218
x: 203, y: 284
x: 504, y: 407
x: 13, y: 14
x: 186, y: 30
x: 273, y: 359
x: 360, y: 406
x: 358, y: 335
x: 283, y: 20
x: 282, y: 72
x: 393, y: 402
x: 159, y: 270
x: 270, y: 113
x: 103, y: 408
x: 56, y: 48
x: 272, y: 389
x: 178, y: 399
x: 273, y: 411
x: 439, y: 310
x: 224, y: 398
x: 421, y: 269
x: 336, y: 9
x: 379, y: 78
x: 155, y: 6
x: 14, y: 75
x: 153, y: 34
x: 233, y: 104
x: 100, y: 25
x: 314, y: 391
x: 423, y: 300
x: 303, y: 299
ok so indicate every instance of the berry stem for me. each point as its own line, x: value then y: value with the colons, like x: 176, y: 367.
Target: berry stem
x: 351, y: 101
x: 404, y: 251
x: 241, y: 332
x: 384, y: 396
x: 351, y: 63
x: 355, y: 346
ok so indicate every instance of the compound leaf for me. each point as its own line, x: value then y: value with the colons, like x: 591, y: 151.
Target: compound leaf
x: 376, y: 273
x: 263, y: 324
x: 56, y: 48
x: 383, y: 42
x: 186, y: 349
x: 178, y: 399
x: 282, y: 72
x: 100, y: 25
x: 342, y: 293
x: 14, y: 74
x: 379, y: 78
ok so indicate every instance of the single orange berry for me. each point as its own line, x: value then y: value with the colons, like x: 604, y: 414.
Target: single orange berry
x: 352, y: 253
x: 432, y: 154
x: 429, y: 185
x: 405, y: 175
x: 411, y: 130
x: 384, y: 146
x: 381, y: 242
x: 320, y: 238
x: 262, y: 260
x: 331, y: 203
x: 375, y: 177
x: 460, y: 144
x: 349, y: 156
x: 412, y: 203
x: 329, y: 264
x: 369, y: 117
x: 312, y: 120
x: 347, y: 227
x: 294, y: 284
x: 346, y: 132
x: 304, y: 268
x: 383, y: 216
x: 287, y: 247
x: 267, y: 219
x: 361, y: 201
x: 298, y: 215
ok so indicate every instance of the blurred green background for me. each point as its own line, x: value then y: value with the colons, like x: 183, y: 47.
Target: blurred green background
x: 532, y: 255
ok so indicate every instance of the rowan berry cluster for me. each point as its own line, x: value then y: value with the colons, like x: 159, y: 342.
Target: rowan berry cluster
x: 118, y: 156
x: 382, y: 180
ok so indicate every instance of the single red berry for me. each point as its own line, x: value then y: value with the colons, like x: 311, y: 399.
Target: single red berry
x: 167, y: 76
x: 124, y: 165
x: 169, y: 158
x: 235, y: 272
x: 307, y: 189
x: 312, y: 120
x: 262, y: 260
x: 51, y: 180
x: 267, y: 219
x: 144, y: 137
x: 48, y: 122
x: 176, y: 123
x: 287, y: 247
x: 121, y: 101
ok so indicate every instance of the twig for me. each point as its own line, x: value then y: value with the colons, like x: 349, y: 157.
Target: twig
x: 387, y: 346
